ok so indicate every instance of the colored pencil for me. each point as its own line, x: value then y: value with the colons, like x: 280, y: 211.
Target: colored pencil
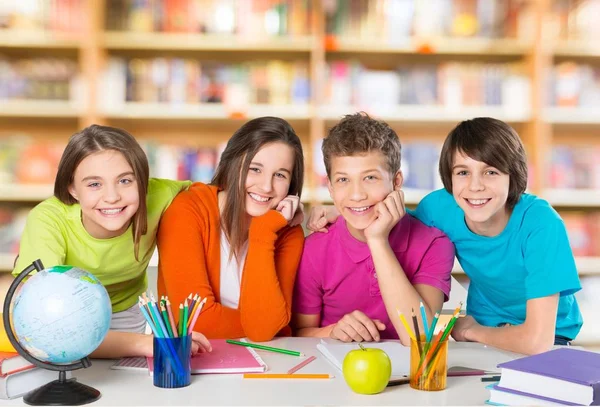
x: 185, y: 318
x: 192, y: 310
x: 417, y: 332
x: 165, y: 316
x: 301, y: 365
x: 433, y: 324
x: 180, y: 326
x: 171, y: 319
x: 199, y: 306
x: 192, y: 303
x: 406, y: 326
x: 287, y: 376
x: 425, y: 322
x: 263, y: 347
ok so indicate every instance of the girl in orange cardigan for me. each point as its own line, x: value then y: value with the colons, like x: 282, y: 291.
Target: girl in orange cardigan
x: 234, y: 241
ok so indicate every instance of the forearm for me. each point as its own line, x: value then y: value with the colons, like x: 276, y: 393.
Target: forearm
x: 514, y: 338
x: 396, y: 290
x: 123, y: 344
x: 315, y: 332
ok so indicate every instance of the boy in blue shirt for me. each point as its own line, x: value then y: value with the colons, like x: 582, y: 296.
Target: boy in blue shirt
x: 513, y: 246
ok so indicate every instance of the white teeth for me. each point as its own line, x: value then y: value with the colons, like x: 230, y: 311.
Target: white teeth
x: 364, y: 208
x: 258, y: 198
x: 111, y: 211
x: 477, y: 201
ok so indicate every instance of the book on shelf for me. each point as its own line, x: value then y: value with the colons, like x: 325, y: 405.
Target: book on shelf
x: 565, y: 375
x: 62, y: 16
x: 575, y: 85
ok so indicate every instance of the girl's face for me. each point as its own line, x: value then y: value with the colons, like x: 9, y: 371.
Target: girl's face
x: 481, y: 191
x: 268, y: 179
x: 106, y: 188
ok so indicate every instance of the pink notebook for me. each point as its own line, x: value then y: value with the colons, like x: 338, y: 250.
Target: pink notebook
x: 224, y: 358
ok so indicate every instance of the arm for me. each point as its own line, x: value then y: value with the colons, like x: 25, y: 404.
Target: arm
x: 309, y: 325
x: 535, y: 335
x: 269, y: 275
x: 183, y: 267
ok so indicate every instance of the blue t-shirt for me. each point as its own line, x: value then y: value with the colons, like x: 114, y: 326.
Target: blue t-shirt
x: 531, y: 258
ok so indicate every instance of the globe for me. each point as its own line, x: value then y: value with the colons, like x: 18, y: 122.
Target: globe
x: 61, y: 314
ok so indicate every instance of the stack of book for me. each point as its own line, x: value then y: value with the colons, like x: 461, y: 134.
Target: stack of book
x: 18, y: 376
x: 562, y: 376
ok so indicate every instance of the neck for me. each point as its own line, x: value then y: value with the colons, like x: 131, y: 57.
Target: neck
x: 493, y: 226
x: 358, y: 234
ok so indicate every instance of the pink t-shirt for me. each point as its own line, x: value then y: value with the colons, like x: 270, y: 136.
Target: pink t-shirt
x: 337, y: 276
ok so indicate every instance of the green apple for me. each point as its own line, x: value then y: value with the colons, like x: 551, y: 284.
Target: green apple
x: 367, y: 370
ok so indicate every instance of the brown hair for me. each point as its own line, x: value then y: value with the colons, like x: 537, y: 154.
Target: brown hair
x: 490, y: 141
x: 358, y: 133
x: 232, y: 171
x: 100, y: 138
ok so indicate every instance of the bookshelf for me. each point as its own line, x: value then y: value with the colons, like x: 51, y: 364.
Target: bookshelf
x: 542, y: 124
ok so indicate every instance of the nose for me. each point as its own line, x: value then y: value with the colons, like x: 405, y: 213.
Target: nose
x: 357, y: 193
x: 111, y: 194
x: 475, y: 183
x: 266, y: 183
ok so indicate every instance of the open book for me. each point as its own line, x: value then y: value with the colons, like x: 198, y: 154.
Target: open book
x: 399, y: 355
x: 224, y: 358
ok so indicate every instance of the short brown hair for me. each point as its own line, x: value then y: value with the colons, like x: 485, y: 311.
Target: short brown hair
x: 238, y: 154
x: 99, y: 138
x: 490, y: 141
x: 358, y: 133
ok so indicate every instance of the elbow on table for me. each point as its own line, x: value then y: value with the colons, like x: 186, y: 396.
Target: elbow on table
x: 540, y: 342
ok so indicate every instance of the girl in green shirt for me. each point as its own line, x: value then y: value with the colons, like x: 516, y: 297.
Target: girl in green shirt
x: 96, y: 221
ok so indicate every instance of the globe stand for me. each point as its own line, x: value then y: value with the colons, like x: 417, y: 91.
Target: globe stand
x: 61, y: 392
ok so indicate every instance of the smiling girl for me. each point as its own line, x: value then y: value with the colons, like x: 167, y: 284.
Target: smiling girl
x: 233, y: 241
x: 103, y: 218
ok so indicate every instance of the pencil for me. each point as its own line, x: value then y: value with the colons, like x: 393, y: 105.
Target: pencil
x: 192, y: 303
x: 185, y: 318
x: 165, y: 316
x: 263, y: 347
x: 287, y: 376
x: 171, y: 319
x: 433, y: 324
x: 192, y: 310
x: 180, y: 320
x: 199, y: 306
x: 301, y: 365
x: 417, y: 333
x: 425, y: 322
x: 406, y: 326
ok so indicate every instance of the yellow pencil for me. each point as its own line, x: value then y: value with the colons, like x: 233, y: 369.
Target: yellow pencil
x: 406, y: 326
x: 287, y: 376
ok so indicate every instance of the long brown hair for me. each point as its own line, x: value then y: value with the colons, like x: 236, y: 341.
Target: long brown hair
x: 100, y: 138
x: 232, y: 171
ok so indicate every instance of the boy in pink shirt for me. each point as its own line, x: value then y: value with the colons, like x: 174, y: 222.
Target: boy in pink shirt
x: 375, y: 259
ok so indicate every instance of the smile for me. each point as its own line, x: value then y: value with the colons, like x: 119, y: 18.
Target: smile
x: 112, y: 211
x: 477, y: 203
x: 259, y: 198
x: 360, y: 210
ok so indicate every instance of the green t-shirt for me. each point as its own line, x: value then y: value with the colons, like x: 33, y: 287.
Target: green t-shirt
x: 54, y: 233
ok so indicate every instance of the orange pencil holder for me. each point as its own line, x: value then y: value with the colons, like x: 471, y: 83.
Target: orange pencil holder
x: 428, y: 365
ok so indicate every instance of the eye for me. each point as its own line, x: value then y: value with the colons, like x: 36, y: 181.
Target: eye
x: 94, y: 184
x: 492, y: 172
x: 254, y: 169
x: 280, y: 175
x: 370, y: 177
x: 341, y: 179
x: 125, y: 181
x: 461, y: 173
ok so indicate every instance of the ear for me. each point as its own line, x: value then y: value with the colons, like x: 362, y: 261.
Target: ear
x: 398, y: 180
x: 73, y: 193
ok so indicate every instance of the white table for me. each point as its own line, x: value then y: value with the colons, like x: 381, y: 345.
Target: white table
x: 119, y: 387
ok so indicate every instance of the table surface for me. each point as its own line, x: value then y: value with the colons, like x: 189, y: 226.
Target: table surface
x: 122, y: 387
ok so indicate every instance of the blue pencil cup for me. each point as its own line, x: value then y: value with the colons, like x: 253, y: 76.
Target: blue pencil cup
x: 172, y: 358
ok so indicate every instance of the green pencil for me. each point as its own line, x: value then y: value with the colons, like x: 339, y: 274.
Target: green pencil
x: 185, y: 318
x: 180, y: 327
x: 263, y: 347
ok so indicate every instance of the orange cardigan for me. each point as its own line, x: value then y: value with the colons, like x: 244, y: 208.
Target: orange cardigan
x: 190, y: 257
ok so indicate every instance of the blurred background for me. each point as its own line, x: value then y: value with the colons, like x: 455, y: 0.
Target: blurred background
x: 183, y: 75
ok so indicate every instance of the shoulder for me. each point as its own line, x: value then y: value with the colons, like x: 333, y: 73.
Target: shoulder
x: 318, y: 242
x: 292, y: 235
x: 536, y: 213
x: 420, y: 231
x: 166, y: 186
x: 436, y: 208
x: 198, y: 195
x: 438, y: 199
x: 50, y: 209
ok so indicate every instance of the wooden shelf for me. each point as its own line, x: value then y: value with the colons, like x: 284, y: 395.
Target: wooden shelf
x: 572, y: 115
x: 577, y: 198
x: 6, y: 262
x: 56, y: 109
x: 217, y: 111
x: 117, y: 40
x: 427, y: 114
x: 435, y: 46
x: 38, y: 39
x: 577, y: 48
x: 25, y: 193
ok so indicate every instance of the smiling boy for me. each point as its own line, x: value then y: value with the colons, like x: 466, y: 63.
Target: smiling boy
x: 375, y: 259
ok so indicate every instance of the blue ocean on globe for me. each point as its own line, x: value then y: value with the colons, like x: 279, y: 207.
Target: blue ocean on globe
x: 61, y: 314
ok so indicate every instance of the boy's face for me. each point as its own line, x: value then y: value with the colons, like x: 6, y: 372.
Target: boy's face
x: 359, y: 182
x: 481, y: 191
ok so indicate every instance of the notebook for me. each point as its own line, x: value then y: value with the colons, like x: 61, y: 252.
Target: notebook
x: 565, y: 374
x: 508, y: 397
x: 399, y: 355
x: 224, y: 358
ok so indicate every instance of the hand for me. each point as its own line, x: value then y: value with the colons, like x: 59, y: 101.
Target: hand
x: 356, y: 326
x: 298, y: 216
x: 288, y: 206
x: 388, y: 212
x: 463, y: 328
x: 200, y: 344
x: 320, y: 216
